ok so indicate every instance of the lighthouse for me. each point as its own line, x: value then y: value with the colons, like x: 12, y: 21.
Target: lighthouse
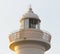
x: 30, y: 39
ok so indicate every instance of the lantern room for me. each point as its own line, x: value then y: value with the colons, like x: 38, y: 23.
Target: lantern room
x: 30, y: 20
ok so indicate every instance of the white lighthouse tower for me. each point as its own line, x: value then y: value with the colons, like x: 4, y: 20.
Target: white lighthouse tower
x: 30, y: 39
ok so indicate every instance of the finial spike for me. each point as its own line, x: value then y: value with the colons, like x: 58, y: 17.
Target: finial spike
x: 30, y: 6
x: 30, y: 9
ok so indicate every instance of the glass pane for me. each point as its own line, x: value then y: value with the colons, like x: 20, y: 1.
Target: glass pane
x: 22, y: 24
x: 33, y: 23
x: 26, y: 23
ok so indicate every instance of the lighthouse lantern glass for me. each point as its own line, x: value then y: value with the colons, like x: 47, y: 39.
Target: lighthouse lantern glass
x: 34, y: 23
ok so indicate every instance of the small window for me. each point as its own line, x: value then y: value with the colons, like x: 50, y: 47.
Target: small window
x: 33, y: 23
x: 26, y: 23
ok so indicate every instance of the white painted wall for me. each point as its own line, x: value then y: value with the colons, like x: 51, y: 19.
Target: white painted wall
x: 29, y: 49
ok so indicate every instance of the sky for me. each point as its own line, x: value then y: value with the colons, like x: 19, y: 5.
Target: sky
x: 47, y: 10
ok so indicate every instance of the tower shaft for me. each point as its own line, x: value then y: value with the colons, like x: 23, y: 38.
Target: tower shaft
x: 29, y: 49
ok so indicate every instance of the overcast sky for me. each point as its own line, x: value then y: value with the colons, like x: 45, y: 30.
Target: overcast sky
x: 47, y: 10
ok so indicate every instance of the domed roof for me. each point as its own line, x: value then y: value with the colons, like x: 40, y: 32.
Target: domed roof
x: 30, y: 14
